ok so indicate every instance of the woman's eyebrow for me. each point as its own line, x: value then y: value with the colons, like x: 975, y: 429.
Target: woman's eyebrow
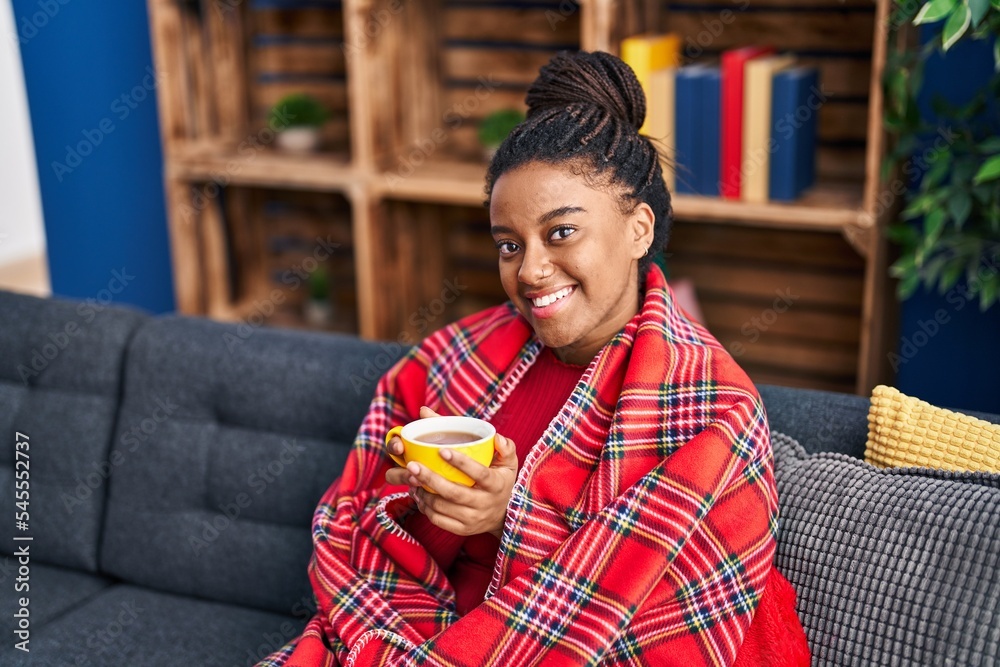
x: 545, y: 217
x: 559, y: 212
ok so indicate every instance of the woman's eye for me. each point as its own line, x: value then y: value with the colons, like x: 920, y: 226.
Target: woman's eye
x: 560, y: 233
x: 506, y: 247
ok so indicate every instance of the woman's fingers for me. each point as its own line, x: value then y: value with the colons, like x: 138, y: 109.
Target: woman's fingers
x: 395, y: 476
x: 434, y: 504
x: 395, y: 445
x: 443, y: 487
x: 426, y: 412
x: 479, y: 473
x: 507, y: 450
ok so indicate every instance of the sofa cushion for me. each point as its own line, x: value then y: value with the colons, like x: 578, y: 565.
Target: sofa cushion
x: 60, y: 378
x: 127, y: 625
x: 826, y: 421
x: 822, y: 421
x: 895, y: 566
x: 906, y: 432
x: 228, y: 438
x: 52, y: 592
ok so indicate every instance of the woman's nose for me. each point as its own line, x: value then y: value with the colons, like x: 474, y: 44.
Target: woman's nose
x: 535, y: 266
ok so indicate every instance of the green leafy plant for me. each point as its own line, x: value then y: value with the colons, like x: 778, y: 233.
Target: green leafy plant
x: 319, y: 284
x: 298, y: 110
x: 495, y: 127
x: 958, y: 197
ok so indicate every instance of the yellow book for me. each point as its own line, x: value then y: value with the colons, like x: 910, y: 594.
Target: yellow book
x: 647, y: 53
x: 661, y: 120
x: 755, y: 161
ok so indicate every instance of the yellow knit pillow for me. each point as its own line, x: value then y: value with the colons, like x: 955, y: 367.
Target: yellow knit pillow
x: 907, y: 432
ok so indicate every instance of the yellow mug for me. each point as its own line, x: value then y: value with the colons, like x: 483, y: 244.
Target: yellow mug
x: 424, y: 439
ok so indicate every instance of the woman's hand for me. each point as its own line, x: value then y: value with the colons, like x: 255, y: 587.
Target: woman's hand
x: 459, y: 509
x: 395, y: 446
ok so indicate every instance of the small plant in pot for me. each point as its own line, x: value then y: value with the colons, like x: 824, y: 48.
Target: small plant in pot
x: 297, y: 120
x: 317, y: 309
x: 495, y: 127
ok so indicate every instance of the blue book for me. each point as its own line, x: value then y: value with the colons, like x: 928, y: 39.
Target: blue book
x: 793, y: 131
x: 688, y: 117
x: 711, y: 124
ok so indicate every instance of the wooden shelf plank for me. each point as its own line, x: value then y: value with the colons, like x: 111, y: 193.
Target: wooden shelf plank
x: 825, y: 207
x: 443, y: 182
x: 258, y: 165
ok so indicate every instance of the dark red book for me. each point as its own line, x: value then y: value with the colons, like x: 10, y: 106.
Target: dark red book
x: 731, y: 127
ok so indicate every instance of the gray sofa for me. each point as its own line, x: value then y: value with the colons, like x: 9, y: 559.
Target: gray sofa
x: 175, y: 463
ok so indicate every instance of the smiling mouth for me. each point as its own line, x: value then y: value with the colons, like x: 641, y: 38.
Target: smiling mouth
x: 549, y: 299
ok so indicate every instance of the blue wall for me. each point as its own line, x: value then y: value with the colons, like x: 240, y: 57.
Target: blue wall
x: 91, y: 93
x: 957, y: 362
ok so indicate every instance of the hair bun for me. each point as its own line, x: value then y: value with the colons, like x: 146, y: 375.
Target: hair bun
x: 592, y: 78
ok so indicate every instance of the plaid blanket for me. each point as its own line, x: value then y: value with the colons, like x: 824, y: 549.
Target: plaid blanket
x: 641, y: 529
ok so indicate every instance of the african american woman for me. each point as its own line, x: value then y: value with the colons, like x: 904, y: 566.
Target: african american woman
x: 630, y: 513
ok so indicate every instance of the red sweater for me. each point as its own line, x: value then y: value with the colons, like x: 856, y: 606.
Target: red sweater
x: 523, y: 418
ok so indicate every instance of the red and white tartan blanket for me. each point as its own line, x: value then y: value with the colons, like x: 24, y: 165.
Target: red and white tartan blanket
x: 641, y: 529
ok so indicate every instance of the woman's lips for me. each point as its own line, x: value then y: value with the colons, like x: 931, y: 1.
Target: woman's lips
x: 553, y: 308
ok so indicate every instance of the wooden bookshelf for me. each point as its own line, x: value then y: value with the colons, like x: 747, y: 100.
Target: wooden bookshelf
x: 399, y: 177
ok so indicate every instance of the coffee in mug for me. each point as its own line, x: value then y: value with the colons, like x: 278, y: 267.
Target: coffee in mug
x: 448, y: 438
x: 424, y: 439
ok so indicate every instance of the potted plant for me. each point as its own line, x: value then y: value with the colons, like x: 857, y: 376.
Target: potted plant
x: 317, y: 310
x: 297, y: 119
x: 949, y: 228
x: 495, y: 127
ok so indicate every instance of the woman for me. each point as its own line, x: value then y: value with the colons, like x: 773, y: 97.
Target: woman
x: 629, y: 516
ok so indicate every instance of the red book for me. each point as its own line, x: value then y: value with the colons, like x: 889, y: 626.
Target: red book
x: 731, y: 129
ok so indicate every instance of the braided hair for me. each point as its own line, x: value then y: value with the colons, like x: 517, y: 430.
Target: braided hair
x: 584, y: 111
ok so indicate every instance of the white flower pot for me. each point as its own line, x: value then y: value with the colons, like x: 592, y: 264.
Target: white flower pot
x: 318, y: 313
x: 298, y: 139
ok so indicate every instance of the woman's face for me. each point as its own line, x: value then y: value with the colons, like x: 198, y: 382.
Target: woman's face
x: 568, y: 256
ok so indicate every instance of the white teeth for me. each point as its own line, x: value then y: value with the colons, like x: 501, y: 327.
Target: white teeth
x: 541, y: 302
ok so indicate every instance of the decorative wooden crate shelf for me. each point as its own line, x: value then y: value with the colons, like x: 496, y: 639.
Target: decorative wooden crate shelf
x: 263, y: 246
x: 400, y: 173
x: 439, y: 66
x: 298, y: 47
x: 226, y: 64
x: 835, y: 36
